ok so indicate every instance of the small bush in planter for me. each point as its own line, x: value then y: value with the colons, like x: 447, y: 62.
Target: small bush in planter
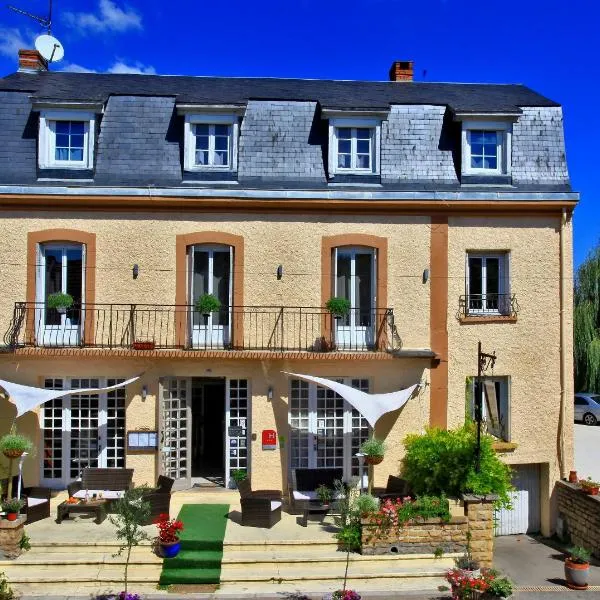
x: 373, y: 449
x: 589, y: 487
x: 207, y: 304
x: 500, y: 587
x: 338, y: 307
x: 59, y: 300
x: 324, y: 494
x: 366, y: 503
x: 577, y: 567
x: 12, y: 505
x: 239, y: 475
x: 13, y: 444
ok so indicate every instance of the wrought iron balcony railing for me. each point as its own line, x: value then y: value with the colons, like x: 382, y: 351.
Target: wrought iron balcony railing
x: 488, y: 305
x: 149, y: 327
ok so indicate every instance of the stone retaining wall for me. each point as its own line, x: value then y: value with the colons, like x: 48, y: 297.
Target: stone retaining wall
x: 426, y: 536
x: 580, y: 514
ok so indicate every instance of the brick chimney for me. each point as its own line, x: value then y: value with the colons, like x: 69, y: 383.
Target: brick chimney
x: 401, y: 70
x: 31, y: 61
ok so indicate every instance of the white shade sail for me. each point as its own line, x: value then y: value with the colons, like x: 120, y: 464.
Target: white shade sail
x: 371, y: 406
x: 26, y: 397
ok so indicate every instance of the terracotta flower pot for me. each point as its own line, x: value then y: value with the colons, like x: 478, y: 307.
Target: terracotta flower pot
x: 573, y: 477
x: 13, y: 453
x: 373, y: 460
x: 11, y: 516
x: 576, y: 574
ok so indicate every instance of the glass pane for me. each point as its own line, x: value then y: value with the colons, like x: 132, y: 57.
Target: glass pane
x: 202, y: 157
x: 76, y: 154
x: 475, y: 283
x: 344, y: 146
x: 53, y: 281
x: 199, y: 281
x: 221, y: 158
x: 62, y: 140
x: 490, y: 162
x: 344, y: 161
x: 363, y: 134
x: 476, y: 149
x: 62, y: 127
x: 477, y: 137
x: 77, y: 127
x: 490, y: 137
x: 364, y: 295
x: 221, y: 268
x: 77, y: 141
x: 363, y: 161
x: 222, y: 130
x: 342, y: 284
x: 201, y: 142
x: 476, y: 162
x: 221, y: 143
x: 344, y: 133
x: 363, y: 146
x: 61, y: 154
x: 202, y: 130
x: 492, y: 282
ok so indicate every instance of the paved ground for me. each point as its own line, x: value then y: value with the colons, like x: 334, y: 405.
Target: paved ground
x: 587, y: 449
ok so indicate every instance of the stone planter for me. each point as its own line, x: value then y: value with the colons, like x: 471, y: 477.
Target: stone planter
x: 11, y: 533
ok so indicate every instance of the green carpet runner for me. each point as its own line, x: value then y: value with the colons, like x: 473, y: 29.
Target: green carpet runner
x: 199, y: 560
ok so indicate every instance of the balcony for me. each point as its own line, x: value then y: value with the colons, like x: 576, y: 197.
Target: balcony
x: 154, y: 327
x: 473, y: 307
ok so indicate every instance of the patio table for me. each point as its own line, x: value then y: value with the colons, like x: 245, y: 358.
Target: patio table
x: 94, y: 507
x: 314, y: 508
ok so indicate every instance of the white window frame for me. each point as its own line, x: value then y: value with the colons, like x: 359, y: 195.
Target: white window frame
x: 189, y: 154
x: 339, y: 122
x: 504, y: 147
x: 47, y: 139
x: 505, y: 390
x: 503, y: 279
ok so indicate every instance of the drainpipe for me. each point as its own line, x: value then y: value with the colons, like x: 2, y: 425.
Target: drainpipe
x: 563, y: 353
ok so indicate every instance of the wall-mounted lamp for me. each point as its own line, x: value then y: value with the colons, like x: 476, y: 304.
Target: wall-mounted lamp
x: 279, y: 271
x: 136, y: 271
x: 144, y: 393
x: 270, y: 393
x: 425, y: 275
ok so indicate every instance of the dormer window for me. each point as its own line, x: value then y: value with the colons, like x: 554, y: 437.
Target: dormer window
x: 354, y: 146
x: 210, y: 142
x: 66, y: 139
x: 486, y: 148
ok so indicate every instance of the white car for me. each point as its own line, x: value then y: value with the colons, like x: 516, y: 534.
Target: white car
x: 587, y: 407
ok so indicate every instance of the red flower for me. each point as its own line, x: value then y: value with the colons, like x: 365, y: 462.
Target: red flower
x: 168, y: 529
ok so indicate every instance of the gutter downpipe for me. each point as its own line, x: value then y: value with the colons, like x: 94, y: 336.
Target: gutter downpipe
x: 563, y: 353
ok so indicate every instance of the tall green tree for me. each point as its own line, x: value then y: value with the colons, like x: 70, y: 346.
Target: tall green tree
x: 586, y: 323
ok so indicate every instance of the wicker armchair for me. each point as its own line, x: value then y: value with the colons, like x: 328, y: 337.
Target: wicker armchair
x: 37, y: 500
x: 159, y: 498
x: 305, y: 481
x: 395, y: 488
x: 260, y: 508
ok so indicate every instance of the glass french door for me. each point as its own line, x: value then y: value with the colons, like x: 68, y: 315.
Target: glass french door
x: 325, y: 431
x: 354, y: 279
x: 61, y: 269
x: 210, y: 273
x: 237, y: 426
x: 82, y: 430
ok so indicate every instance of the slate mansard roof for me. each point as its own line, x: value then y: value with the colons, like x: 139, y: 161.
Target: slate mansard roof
x: 283, y: 138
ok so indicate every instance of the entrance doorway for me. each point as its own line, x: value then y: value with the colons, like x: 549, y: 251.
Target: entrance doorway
x: 208, y: 429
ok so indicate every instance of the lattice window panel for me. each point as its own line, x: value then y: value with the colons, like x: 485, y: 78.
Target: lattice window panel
x: 360, y: 426
x: 330, y: 428
x: 52, y: 432
x: 175, y: 413
x: 299, y: 415
x: 85, y: 411
x: 115, y: 425
x: 238, y: 417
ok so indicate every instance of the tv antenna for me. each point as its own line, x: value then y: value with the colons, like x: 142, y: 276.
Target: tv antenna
x: 43, y: 21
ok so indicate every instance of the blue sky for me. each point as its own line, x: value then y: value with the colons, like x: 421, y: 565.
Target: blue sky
x: 551, y: 46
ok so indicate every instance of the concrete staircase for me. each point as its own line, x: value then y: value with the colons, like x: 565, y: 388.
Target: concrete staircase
x: 247, y: 567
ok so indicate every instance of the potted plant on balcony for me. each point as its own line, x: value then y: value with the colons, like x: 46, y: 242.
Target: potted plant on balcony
x: 60, y: 302
x: 338, y: 307
x: 13, y: 444
x: 11, y: 507
x: 207, y: 304
x: 374, y: 450
x: 589, y: 487
x: 577, y: 568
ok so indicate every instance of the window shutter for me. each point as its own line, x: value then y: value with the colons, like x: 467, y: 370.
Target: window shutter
x: 493, y: 419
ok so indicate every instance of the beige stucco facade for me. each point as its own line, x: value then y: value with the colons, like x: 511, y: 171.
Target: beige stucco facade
x: 529, y: 350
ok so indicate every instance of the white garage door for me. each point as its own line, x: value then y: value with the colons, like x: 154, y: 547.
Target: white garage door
x: 524, y: 517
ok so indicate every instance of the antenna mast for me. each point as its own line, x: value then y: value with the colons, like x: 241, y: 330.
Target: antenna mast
x: 43, y: 21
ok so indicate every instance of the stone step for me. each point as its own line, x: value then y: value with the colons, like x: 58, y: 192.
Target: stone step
x: 100, y: 574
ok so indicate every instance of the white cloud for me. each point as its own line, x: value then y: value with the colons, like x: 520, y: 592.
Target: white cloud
x: 136, y: 69
x: 118, y: 67
x: 12, y: 40
x: 111, y: 19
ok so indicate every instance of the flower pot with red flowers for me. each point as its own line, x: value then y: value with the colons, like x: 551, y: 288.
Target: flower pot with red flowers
x: 11, y: 507
x: 168, y: 539
x: 589, y: 487
x: 577, y: 568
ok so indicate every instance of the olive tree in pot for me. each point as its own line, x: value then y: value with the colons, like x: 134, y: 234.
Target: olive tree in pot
x: 59, y: 301
x: 338, y: 307
x: 577, y: 568
x: 207, y: 304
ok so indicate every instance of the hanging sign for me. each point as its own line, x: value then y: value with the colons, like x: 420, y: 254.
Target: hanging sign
x: 269, y: 439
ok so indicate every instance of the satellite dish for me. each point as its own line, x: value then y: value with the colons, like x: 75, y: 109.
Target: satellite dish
x: 50, y: 48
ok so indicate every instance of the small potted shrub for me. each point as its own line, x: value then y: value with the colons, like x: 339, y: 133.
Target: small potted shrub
x: 13, y: 444
x: 238, y: 475
x: 59, y: 301
x: 324, y: 494
x: 374, y: 450
x: 366, y: 504
x: 207, y: 304
x: 577, y: 568
x: 500, y: 587
x: 338, y: 307
x: 11, y: 507
x: 589, y: 487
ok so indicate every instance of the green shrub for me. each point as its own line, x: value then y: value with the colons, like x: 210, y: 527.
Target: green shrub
x: 207, y: 303
x: 324, y: 494
x: 579, y: 555
x: 501, y: 587
x: 6, y: 592
x: 338, y: 307
x: 365, y: 503
x: 443, y: 462
x: 373, y: 447
x: 59, y: 300
x: 238, y: 475
x: 15, y: 442
x: 349, y: 537
x: 12, y: 505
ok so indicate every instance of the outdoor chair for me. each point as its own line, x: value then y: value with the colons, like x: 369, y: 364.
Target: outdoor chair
x: 37, y: 500
x: 159, y: 498
x: 395, y: 488
x: 306, y: 481
x: 260, y: 508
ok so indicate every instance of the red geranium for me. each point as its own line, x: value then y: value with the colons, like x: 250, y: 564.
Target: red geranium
x: 168, y: 529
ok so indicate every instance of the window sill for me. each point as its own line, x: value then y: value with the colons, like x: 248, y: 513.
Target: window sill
x: 503, y: 447
x: 464, y: 320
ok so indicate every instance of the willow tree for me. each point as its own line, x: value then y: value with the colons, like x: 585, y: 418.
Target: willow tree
x: 587, y: 323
